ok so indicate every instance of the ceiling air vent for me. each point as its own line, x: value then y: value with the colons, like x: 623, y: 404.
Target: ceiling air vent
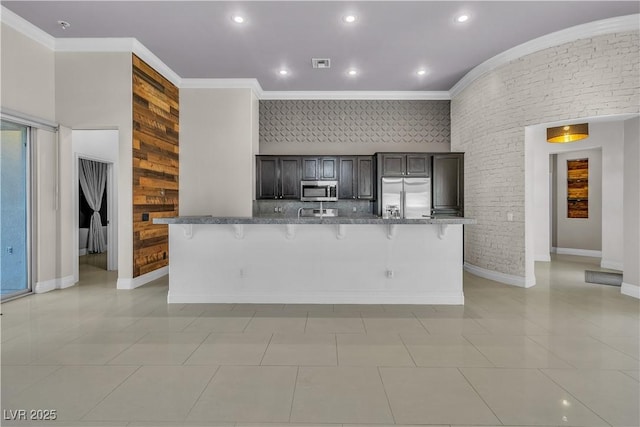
x: 321, y: 62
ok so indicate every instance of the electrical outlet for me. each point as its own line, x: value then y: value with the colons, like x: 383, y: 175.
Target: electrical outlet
x: 275, y: 209
x: 354, y: 209
x: 145, y: 217
x: 389, y: 274
x: 9, y: 249
x: 509, y: 216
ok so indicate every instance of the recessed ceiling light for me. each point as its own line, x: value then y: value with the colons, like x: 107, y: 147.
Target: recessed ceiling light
x: 64, y: 24
x: 238, y: 19
x: 349, y: 19
x: 462, y: 18
x: 352, y: 72
x: 283, y: 72
x: 421, y: 72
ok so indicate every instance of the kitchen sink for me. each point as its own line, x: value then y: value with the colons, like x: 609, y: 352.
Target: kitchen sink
x: 315, y: 213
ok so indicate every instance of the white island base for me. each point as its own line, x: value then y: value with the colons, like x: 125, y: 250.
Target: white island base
x: 316, y: 263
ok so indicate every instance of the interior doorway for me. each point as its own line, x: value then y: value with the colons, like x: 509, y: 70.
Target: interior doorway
x: 96, y: 147
x: 93, y: 217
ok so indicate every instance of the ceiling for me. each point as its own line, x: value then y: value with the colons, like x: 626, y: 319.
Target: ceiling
x: 387, y: 44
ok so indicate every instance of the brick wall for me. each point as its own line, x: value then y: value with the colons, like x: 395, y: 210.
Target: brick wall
x: 585, y: 78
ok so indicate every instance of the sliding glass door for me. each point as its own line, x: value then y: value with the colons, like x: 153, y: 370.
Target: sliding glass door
x: 14, y: 210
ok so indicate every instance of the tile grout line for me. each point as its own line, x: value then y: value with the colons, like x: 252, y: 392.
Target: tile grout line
x: 613, y: 348
x: 202, y: 392
x: 572, y: 395
x: 306, y: 320
x: 125, y: 349
x: 266, y: 349
x: 478, y: 350
x: 195, y: 349
x: 479, y: 395
x: 253, y: 316
x: 112, y: 391
x: 550, y: 351
x: 407, y: 348
x: 386, y: 395
x: 293, y: 395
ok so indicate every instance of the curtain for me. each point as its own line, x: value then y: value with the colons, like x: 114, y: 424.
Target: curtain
x: 93, y: 179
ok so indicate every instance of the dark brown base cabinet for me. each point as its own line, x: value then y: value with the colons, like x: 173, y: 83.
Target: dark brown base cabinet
x: 448, y: 184
x: 278, y: 177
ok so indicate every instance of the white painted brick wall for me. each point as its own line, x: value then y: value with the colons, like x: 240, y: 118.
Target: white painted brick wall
x: 589, y: 77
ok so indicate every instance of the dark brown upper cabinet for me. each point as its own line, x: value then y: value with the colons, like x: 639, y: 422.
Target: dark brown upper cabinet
x: 319, y: 168
x: 278, y: 177
x: 357, y: 177
x: 404, y: 164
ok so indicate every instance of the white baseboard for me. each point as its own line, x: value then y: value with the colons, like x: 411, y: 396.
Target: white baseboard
x: 630, y: 290
x: 50, y: 285
x: 612, y: 265
x: 542, y: 257
x: 65, y: 282
x: 142, y: 280
x: 578, y: 252
x: 439, y: 298
x: 45, y: 286
x: 507, y: 279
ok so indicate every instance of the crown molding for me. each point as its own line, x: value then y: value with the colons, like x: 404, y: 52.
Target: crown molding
x: 591, y: 29
x: 27, y: 28
x: 118, y: 44
x: 252, y: 84
x: 356, y: 95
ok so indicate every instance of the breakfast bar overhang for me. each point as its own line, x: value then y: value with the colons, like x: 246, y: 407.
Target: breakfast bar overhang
x: 341, y: 260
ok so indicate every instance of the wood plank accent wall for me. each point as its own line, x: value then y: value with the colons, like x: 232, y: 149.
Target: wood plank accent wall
x: 155, y: 165
x: 578, y: 188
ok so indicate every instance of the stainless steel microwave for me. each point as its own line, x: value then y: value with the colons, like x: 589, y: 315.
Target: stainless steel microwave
x: 319, y: 191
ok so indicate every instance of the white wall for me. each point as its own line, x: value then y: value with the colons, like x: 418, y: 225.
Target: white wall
x: 631, y: 274
x: 94, y: 91
x: 28, y: 84
x: 606, y: 136
x: 580, y: 233
x: 218, y: 140
x: 591, y: 77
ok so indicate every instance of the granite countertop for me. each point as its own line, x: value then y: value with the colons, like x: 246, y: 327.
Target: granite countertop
x: 279, y: 219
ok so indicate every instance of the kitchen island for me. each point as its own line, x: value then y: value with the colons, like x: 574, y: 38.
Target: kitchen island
x: 330, y: 260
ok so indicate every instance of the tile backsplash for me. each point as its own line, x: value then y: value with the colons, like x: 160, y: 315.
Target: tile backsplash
x: 289, y: 208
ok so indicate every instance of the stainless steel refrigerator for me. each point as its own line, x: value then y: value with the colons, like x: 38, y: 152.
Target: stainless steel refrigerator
x: 409, y: 197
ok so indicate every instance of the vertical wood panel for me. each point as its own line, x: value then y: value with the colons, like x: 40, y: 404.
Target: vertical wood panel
x: 155, y: 165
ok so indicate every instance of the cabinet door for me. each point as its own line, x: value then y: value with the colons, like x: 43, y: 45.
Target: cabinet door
x: 418, y: 164
x: 393, y: 164
x: 366, y: 180
x: 309, y: 168
x: 289, y: 177
x: 267, y: 177
x: 448, y: 175
x: 348, y: 178
x: 328, y: 168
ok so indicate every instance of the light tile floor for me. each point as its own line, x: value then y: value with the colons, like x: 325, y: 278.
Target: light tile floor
x: 563, y: 353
